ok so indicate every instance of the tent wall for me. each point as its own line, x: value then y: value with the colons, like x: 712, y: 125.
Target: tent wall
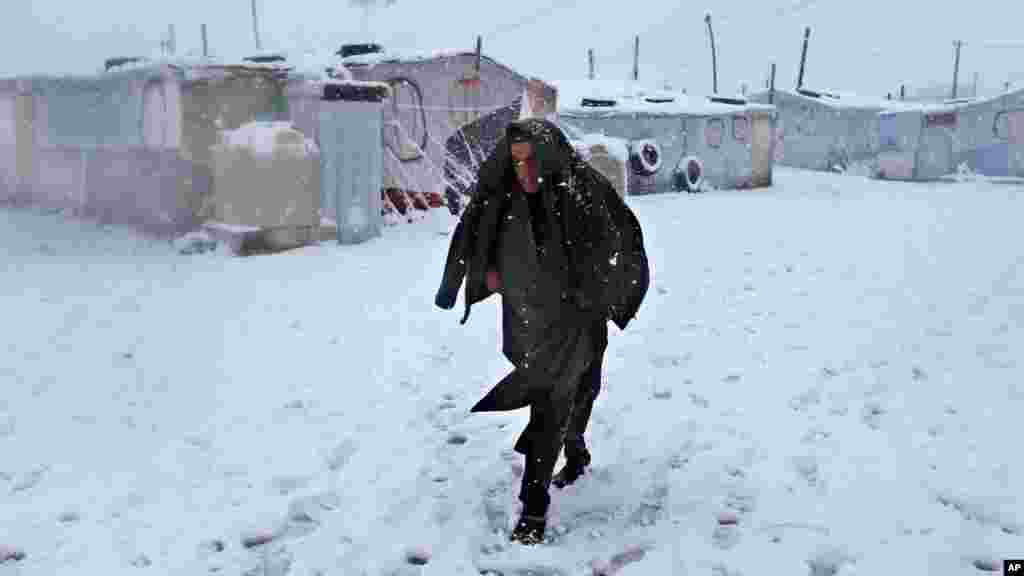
x: 668, y: 131
x: 989, y: 140
x: 128, y: 148
x: 814, y: 135
x: 431, y: 99
x: 986, y: 137
x: 899, y: 136
x: 726, y: 147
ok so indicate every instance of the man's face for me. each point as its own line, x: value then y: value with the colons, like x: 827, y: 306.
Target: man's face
x: 521, y: 151
x: 522, y: 157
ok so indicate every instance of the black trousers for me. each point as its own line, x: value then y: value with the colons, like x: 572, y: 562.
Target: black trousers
x: 557, y: 425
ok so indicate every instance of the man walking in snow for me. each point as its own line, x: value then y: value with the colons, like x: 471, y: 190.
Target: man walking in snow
x: 551, y: 235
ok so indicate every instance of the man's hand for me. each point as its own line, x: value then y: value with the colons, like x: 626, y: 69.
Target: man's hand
x: 493, y: 281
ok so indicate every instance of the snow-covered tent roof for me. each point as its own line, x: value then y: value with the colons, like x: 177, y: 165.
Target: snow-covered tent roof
x: 628, y: 97
x: 387, y: 56
x: 927, y: 107
x: 272, y: 63
x: 834, y: 98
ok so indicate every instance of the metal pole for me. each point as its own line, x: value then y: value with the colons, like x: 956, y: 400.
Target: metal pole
x: 771, y: 89
x: 636, y: 58
x: 803, y: 59
x: 206, y: 45
x: 256, y: 26
x: 479, y: 54
x: 903, y: 91
x: 172, y: 44
x: 590, y: 63
x: 956, y: 67
x: 714, y: 56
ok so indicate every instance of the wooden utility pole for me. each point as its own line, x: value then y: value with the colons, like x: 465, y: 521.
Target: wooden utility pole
x: 206, y: 45
x: 803, y: 59
x: 636, y: 58
x: 479, y: 54
x: 714, y: 56
x: 771, y: 86
x: 956, y: 66
x: 590, y: 63
x: 172, y: 44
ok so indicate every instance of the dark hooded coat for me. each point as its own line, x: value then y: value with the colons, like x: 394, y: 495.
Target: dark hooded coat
x: 595, y: 267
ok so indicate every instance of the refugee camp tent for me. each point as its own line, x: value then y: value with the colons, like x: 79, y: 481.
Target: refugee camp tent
x: 130, y: 146
x: 927, y: 141
x: 827, y: 131
x: 676, y: 141
x: 446, y: 113
x: 990, y: 136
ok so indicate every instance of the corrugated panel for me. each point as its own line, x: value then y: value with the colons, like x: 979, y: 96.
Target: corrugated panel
x: 352, y: 168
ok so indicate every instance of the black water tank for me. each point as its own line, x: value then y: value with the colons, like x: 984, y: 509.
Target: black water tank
x: 359, y: 49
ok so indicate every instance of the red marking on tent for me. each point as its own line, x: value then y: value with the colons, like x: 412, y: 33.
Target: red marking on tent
x: 940, y: 119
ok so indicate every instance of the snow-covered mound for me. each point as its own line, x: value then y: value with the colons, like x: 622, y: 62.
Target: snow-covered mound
x: 265, y: 138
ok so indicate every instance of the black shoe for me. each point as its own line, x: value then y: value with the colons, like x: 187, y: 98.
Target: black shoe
x: 529, y: 531
x: 571, y: 472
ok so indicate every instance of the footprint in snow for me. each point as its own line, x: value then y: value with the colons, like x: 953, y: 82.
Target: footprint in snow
x: 725, y: 536
x: 808, y: 469
x: 723, y: 570
x: 805, y: 400
x: 270, y: 561
x: 698, y: 400
x: 496, y: 502
x: 457, y: 439
x: 815, y: 435
x: 30, y: 480
x: 662, y: 393
x: 872, y: 414
x: 619, y: 561
x: 341, y: 454
x: 651, y: 506
x: 418, y: 555
x: 827, y: 561
x: 670, y: 360
x: 286, y: 484
x: 979, y: 513
x: 986, y: 564
x: 69, y: 517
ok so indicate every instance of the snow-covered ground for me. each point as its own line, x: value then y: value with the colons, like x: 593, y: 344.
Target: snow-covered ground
x: 823, y: 380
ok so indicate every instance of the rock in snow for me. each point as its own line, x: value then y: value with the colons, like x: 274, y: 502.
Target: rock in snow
x: 10, y: 554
